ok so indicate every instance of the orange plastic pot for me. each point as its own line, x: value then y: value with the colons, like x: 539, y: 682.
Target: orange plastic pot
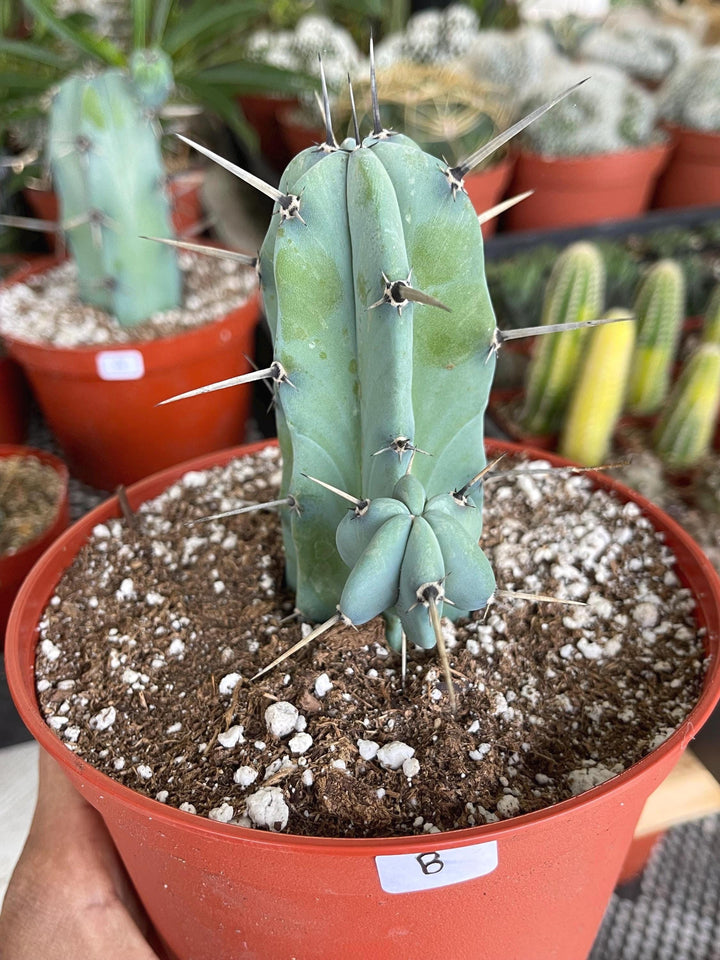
x: 261, y: 111
x: 15, y: 567
x: 571, y: 191
x: 296, y: 135
x: 101, y: 402
x: 692, y: 176
x: 532, y: 887
x: 486, y: 188
x: 13, y: 402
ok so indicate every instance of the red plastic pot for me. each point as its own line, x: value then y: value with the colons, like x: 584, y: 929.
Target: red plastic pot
x: 500, y: 408
x: 532, y: 887
x: 261, y: 111
x: 13, y: 402
x: 101, y: 402
x: 692, y: 176
x: 570, y: 191
x: 15, y: 567
x: 487, y: 187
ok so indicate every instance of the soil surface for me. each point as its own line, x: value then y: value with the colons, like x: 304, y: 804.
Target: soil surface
x: 46, y: 308
x: 30, y: 494
x: 148, y: 649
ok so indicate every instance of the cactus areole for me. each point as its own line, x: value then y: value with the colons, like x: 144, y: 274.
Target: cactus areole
x: 374, y: 287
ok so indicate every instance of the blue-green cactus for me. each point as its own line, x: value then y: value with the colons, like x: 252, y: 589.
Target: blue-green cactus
x: 107, y: 168
x: 384, y: 342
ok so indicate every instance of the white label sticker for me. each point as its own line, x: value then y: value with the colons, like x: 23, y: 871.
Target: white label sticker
x: 120, y: 365
x: 407, y: 872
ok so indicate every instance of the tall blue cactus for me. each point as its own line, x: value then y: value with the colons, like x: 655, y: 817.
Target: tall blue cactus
x: 384, y: 341
x: 104, y: 151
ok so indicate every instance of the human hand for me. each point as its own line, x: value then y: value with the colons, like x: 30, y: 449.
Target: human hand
x: 69, y: 895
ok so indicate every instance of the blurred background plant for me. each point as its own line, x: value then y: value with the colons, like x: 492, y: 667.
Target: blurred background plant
x: 690, y: 97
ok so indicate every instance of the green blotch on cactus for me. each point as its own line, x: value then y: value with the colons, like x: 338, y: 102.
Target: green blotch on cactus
x: 107, y: 169
x: 684, y: 432
x: 660, y: 311
x: 575, y: 292
x: 597, y: 397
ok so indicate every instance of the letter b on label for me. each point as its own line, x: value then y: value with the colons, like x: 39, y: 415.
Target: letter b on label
x: 410, y: 872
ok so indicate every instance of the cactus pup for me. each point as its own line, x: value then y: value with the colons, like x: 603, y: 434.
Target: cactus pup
x: 384, y: 343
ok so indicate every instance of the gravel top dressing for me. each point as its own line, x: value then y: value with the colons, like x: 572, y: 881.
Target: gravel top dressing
x: 30, y: 495
x: 46, y: 307
x: 148, y: 647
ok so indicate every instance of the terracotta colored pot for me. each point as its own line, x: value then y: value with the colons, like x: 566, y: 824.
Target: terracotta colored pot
x: 185, y: 199
x: 13, y: 402
x: 101, y: 402
x: 15, y: 567
x: 261, y: 112
x: 487, y: 187
x: 532, y: 887
x: 297, y: 136
x: 570, y: 191
x: 500, y: 409
x: 692, y: 176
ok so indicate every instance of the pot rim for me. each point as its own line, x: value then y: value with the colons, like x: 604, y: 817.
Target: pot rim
x: 61, y: 469
x: 22, y: 687
x: 247, y: 312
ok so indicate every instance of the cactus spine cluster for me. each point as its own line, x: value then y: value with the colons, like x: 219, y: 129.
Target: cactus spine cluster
x: 107, y: 168
x: 575, y: 293
x: 660, y: 310
x: 684, y: 431
x: 597, y: 397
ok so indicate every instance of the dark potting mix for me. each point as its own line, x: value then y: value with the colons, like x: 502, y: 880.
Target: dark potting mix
x: 149, y: 646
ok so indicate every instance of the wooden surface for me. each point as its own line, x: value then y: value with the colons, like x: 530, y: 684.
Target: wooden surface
x: 18, y: 789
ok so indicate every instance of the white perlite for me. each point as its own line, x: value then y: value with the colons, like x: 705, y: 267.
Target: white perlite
x: 244, y: 776
x: 323, y: 685
x: 300, y: 743
x: 104, y: 719
x: 47, y: 307
x: 231, y: 737
x: 393, y: 755
x: 280, y: 718
x: 582, y: 780
x: 223, y: 814
x: 228, y: 683
x: 368, y: 749
x: 267, y: 808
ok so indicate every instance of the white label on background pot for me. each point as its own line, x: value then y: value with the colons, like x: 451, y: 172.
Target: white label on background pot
x: 408, y: 872
x: 120, y: 365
